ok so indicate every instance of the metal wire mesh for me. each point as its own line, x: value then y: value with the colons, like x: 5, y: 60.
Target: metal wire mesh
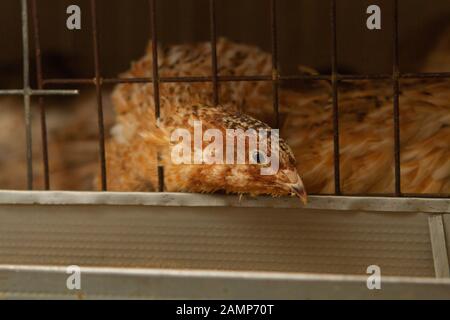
x: 27, y: 92
x: 98, y: 81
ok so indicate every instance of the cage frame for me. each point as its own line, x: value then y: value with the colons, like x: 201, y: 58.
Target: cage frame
x: 434, y: 205
x: 46, y: 281
x: 98, y: 81
x: 435, y: 209
x: 43, y: 282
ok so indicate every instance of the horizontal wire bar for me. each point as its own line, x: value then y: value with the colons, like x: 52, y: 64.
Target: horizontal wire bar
x: 186, y: 79
x: 267, y: 78
x: 426, y: 195
x: 305, y: 77
x: 127, y: 80
x: 163, y: 79
x: 363, y: 76
x: 21, y: 92
x: 12, y: 92
x: 427, y: 75
x: 386, y: 195
x: 190, y: 79
x: 69, y: 81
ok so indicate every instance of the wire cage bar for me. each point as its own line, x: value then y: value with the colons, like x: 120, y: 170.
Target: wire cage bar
x: 334, y: 77
x: 334, y: 84
x: 396, y: 101
x: 156, y: 93
x: 98, y: 90
x: 26, y: 92
x: 40, y: 84
x: 214, y: 64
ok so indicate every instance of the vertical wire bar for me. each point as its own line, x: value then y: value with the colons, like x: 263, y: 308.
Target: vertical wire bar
x: 26, y: 95
x: 334, y: 83
x: 275, y: 75
x: 396, y: 100
x: 40, y: 83
x: 156, y: 92
x: 98, y: 86
x: 213, y: 32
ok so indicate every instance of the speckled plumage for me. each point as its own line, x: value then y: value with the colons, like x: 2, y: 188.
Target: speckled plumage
x: 367, y: 139
x: 132, y: 163
x: 365, y: 119
x: 136, y: 138
x: 306, y: 113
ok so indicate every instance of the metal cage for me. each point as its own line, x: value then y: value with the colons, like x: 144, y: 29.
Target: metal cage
x: 417, y: 224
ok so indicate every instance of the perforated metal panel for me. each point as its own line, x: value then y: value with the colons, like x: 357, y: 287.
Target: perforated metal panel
x: 144, y: 238
x: 218, y: 238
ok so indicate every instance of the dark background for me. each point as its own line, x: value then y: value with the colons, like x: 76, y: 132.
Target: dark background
x: 304, y: 33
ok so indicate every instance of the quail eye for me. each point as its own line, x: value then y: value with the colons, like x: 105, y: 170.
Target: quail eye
x: 259, y: 157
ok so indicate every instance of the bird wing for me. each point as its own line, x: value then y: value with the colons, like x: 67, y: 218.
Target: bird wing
x: 367, y: 143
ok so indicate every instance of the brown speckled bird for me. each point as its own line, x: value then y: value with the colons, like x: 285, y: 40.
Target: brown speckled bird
x: 365, y: 120
x: 306, y: 112
x: 132, y: 156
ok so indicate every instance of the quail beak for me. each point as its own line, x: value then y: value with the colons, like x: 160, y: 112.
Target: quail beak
x: 299, y: 190
x: 296, y: 186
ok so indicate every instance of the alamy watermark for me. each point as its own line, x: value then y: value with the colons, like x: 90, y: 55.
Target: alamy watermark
x: 374, y: 280
x: 73, y: 281
x: 252, y: 146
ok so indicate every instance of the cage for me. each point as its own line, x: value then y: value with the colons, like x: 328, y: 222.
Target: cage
x: 363, y: 95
